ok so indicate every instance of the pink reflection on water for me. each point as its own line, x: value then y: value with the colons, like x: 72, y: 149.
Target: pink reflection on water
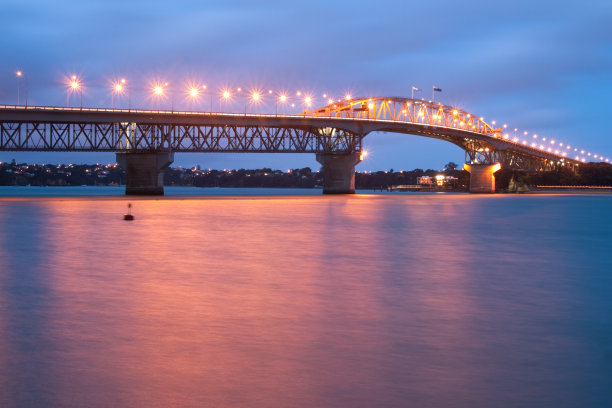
x: 264, y: 301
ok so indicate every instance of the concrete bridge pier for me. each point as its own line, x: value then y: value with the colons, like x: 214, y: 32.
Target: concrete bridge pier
x: 144, y: 171
x: 482, y: 179
x: 339, y: 172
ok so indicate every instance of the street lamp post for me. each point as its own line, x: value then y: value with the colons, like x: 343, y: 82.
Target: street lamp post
x: 158, y: 92
x: 204, y: 87
x: 308, y: 103
x: 255, y: 97
x: 171, y: 97
x: 283, y: 99
x: 22, y: 76
x: 194, y: 95
x: 226, y: 95
x: 74, y: 86
x: 19, y: 75
x: 119, y: 88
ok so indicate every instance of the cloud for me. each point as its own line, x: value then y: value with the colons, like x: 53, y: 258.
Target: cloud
x: 523, y: 62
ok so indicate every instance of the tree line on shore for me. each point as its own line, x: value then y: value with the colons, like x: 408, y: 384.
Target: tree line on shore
x: 588, y: 174
x: 12, y: 173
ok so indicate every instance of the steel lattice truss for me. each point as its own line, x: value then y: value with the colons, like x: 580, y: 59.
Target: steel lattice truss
x: 407, y: 110
x: 476, y: 151
x: 35, y: 136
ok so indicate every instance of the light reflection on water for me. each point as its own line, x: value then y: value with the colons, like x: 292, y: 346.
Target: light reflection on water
x: 306, y: 301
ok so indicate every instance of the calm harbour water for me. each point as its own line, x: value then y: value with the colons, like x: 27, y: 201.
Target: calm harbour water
x: 259, y: 299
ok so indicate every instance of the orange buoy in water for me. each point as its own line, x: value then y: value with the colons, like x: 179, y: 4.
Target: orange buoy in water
x: 129, y: 216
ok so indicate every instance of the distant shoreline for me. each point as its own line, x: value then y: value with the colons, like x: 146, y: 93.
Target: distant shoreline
x: 568, y: 190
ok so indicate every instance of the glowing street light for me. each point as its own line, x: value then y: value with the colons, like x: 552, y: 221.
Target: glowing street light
x: 159, y: 93
x: 19, y: 75
x: 255, y: 98
x: 74, y: 85
x: 283, y: 99
x: 118, y: 88
x: 194, y: 92
x: 225, y: 96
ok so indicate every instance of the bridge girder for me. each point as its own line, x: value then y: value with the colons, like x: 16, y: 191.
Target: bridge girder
x: 133, y: 137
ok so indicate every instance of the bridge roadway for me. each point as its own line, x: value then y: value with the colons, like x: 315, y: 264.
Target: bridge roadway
x: 146, y: 140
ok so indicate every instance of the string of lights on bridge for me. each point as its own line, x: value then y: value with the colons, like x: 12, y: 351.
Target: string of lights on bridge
x: 550, y: 145
x: 194, y: 91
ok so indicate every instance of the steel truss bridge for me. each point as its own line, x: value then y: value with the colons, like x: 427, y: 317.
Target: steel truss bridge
x: 337, y: 129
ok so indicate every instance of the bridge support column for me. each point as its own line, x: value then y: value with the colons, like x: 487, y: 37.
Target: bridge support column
x: 339, y: 172
x: 144, y: 172
x: 482, y: 179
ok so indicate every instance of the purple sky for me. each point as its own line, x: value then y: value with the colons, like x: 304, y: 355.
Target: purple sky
x: 543, y: 67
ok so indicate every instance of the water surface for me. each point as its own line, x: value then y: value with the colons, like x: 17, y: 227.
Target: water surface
x: 302, y: 301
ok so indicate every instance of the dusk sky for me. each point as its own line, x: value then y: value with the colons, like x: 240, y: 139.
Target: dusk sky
x: 539, y: 66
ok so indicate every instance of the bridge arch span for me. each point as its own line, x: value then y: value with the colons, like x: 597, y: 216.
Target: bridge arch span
x: 482, y: 143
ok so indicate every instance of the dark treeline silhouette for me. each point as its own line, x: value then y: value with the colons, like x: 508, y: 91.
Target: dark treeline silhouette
x: 588, y: 174
x: 22, y: 174
x: 385, y: 179
x: 12, y: 173
x: 298, y: 178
